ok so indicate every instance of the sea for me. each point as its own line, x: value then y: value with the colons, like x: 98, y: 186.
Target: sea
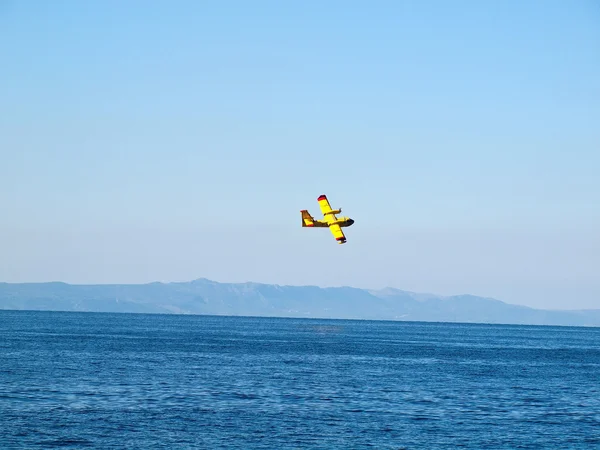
x: 146, y: 381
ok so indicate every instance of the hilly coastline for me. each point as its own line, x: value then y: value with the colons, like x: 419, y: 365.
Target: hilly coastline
x: 203, y: 296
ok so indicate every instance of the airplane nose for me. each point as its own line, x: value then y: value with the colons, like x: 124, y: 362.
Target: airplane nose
x: 351, y: 221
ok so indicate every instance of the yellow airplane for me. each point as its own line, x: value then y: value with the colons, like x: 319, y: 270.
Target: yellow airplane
x: 330, y: 220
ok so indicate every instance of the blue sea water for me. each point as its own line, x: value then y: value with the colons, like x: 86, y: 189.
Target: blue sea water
x: 172, y: 381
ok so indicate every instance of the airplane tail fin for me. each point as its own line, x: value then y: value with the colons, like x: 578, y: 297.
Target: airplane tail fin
x: 307, y: 219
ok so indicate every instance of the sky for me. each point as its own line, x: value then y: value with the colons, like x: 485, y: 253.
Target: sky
x: 167, y: 141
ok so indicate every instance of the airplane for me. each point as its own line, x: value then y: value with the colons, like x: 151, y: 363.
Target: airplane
x: 330, y: 220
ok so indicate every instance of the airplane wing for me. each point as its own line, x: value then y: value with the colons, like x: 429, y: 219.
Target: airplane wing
x: 324, y: 205
x: 337, y: 232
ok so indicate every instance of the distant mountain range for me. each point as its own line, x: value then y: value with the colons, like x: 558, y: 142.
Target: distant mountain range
x: 204, y: 296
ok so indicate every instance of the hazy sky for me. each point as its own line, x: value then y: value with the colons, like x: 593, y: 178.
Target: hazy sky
x: 172, y: 140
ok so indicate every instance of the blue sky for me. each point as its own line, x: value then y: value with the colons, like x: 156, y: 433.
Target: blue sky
x: 144, y: 141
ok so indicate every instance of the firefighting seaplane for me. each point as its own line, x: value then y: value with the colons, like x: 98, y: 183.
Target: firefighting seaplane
x: 330, y: 219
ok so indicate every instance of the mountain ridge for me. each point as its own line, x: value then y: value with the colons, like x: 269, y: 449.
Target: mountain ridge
x: 205, y: 296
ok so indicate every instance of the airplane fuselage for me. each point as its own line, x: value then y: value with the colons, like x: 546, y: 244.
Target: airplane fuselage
x: 341, y: 221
